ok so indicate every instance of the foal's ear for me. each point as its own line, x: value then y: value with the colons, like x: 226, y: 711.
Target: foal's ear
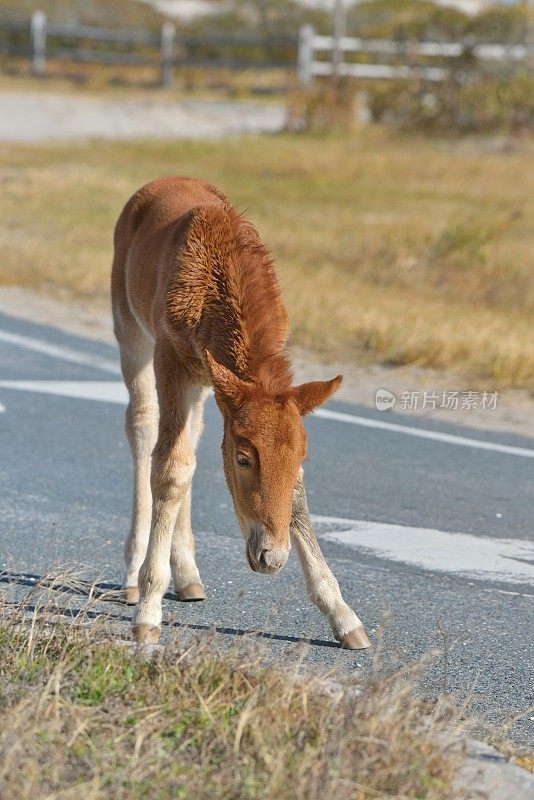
x: 309, y: 396
x: 229, y: 389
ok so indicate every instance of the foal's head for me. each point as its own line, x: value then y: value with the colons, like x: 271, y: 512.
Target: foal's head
x: 263, y: 447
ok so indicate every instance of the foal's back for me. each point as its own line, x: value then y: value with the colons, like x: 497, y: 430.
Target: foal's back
x: 148, y: 235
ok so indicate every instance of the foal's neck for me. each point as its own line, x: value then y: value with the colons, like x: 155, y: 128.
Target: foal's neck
x: 243, y: 321
x: 261, y: 318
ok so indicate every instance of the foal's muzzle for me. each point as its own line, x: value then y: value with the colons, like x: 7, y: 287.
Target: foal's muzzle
x: 261, y: 555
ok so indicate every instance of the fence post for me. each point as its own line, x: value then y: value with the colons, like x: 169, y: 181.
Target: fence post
x: 167, y: 54
x: 305, y: 55
x: 38, y: 37
x: 529, y: 36
x: 338, y: 30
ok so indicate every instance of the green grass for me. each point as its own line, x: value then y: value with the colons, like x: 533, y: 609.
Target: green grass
x: 393, y: 249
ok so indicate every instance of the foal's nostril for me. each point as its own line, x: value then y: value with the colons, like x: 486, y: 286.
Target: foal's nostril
x: 263, y: 559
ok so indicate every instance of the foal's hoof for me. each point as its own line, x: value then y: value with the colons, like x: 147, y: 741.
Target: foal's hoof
x: 191, y: 593
x: 131, y: 595
x: 146, y: 634
x: 355, y: 640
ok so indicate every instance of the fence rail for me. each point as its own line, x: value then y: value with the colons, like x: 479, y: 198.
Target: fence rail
x: 445, y: 49
x: 311, y: 43
x: 165, y: 49
x: 120, y: 36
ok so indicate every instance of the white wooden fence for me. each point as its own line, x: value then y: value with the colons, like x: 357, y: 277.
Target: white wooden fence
x: 317, y: 55
x: 310, y: 43
x: 164, y: 49
x: 39, y: 28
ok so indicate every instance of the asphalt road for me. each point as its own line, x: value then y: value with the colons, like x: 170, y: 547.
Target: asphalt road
x: 429, y: 536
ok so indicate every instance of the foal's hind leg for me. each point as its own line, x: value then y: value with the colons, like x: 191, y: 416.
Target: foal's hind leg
x: 141, y: 428
x: 322, y: 586
x: 185, y: 574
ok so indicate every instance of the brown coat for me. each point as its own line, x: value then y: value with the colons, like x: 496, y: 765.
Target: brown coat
x: 196, y: 303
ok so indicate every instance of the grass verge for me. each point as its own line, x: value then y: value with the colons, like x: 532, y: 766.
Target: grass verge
x: 398, y: 249
x: 82, y: 714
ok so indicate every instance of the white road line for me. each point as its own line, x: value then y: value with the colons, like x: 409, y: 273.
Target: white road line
x: 75, y: 356
x: 512, y: 594
x: 424, y: 433
x: 481, y: 557
x: 103, y: 391
x: 64, y: 353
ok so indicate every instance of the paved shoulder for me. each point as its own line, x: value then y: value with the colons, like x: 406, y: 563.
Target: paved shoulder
x: 28, y: 117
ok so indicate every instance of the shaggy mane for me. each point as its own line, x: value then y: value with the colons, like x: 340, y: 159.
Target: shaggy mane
x: 241, y: 317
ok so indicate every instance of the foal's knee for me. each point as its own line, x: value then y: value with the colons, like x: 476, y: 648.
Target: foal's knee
x: 171, y: 479
x: 139, y: 417
x: 154, y: 579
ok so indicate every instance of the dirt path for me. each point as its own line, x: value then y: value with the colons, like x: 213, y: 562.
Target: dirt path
x: 32, y: 117
x: 514, y: 412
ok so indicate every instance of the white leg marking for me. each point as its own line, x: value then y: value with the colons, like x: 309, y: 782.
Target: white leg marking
x: 322, y: 586
x: 155, y: 573
x: 173, y: 465
x: 183, y: 566
x: 141, y: 429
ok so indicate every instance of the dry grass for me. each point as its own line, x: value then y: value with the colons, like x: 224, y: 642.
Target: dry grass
x: 124, y: 80
x: 403, y: 250
x: 82, y: 716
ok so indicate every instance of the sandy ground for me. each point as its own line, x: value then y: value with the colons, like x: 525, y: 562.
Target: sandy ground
x: 514, y: 412
x: 35, y: 117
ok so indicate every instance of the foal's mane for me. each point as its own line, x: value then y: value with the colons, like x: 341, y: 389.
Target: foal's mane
x: 241, y: 311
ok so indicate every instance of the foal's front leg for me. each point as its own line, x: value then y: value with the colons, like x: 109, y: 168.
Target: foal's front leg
x: 185, y: 574
x: 173, y: 465
x: 322, y: 586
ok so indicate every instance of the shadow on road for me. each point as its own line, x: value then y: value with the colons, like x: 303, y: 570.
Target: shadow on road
x: 112, y: 593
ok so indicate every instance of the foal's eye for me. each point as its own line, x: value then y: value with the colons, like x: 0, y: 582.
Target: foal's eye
x: 243, y: 460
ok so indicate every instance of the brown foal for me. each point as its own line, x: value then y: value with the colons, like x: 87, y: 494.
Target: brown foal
x: 196, y: 304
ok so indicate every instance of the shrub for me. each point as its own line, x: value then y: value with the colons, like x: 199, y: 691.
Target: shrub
x: 324, y: 106
x: 487, y: 104
x: 405, y: 19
